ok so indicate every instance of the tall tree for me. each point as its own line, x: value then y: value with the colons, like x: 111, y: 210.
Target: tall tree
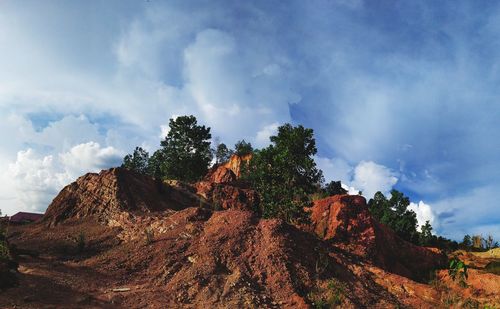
x: 186, y: 149
x: 394, y: 213
x: 334, y: 188
x: 137, y: 161
x: 222, y: 153
x: 284, y: 173
x: 242, y: 148
x: 467, y: 241
x: 425, y: 234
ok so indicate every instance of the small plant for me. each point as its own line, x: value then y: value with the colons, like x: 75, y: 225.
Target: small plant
x: 4, y: 251
x: 337, y: 290
x: 148, y: 232
x: 4, y: 247
x: 470, y: 303
x: 458, y: 271
x: 80, y: 242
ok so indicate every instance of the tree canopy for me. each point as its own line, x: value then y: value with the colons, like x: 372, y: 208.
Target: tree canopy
x: 395, y: 214
x: 242, y: 148
x: 137, y: 161
x: 222, y: 153
x: 185, y: 150
x: 284, y: 173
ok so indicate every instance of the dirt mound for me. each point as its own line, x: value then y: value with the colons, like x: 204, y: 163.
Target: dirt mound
x: 111, y: 192
x: 345, y: 219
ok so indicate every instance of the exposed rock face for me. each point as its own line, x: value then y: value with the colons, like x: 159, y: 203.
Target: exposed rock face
x: 107, y: 194
x: 225, y: 196
x: 346, y: 220
x: 220, y: 174
x: 235, y: 163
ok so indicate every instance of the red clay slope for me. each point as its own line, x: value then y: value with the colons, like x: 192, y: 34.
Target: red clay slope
x: 346, y: 221
x: 110, y: 192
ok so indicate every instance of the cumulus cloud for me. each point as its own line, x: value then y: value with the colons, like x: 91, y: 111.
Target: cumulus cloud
x: 424, y: 213
x: 89, y: 157
x: 371, y: 177
x: 35, y: 179
x: 367, y: 176
x: 265, y: 133
x: 240, y: 68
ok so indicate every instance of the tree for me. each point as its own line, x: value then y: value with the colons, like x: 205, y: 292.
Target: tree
x: 284, y: 173
x: 394, y: 213
x: 334, y: 188
x: 477, y: 241
x: 242, y: 148
x: 425, y: 234
x: 185, y: 150
x: 467, y: 242
x: 489, y: 242
x: 222, y: 153
x: 137, y: 161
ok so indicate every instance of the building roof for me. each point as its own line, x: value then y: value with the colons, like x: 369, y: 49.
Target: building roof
x: 25, y: 216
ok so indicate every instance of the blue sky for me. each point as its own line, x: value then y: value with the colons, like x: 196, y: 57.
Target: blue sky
x: 400, y: 94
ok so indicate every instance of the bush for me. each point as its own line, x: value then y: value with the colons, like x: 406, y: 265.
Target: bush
x: 285, y: 174
x: 458, y: 271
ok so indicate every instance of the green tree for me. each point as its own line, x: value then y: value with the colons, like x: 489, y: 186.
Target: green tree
x: 222, y: 153
x: 284, y: 173
x: 425, y: 234
x: 242, y: 148
x: 334, y: 188
x: 467, y: 242
x: 137, y: 161
x: 394, y: 213
x: 185, y: 150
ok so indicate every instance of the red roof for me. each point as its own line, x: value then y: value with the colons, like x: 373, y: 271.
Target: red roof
x: 25, y: 217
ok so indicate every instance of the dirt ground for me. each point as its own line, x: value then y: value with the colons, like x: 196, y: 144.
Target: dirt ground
x: 226, y: 259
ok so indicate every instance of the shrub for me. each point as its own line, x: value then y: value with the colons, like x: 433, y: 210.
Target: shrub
x: 458, y: 271
x: 285, y: 174
x: 80, y: 242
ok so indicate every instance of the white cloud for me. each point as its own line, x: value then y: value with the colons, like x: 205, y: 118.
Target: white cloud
x: 424, y: 213
x: 335, y: 169
x: 262, y: 139
x: 371, y: 177
x: 33, y: 180
x: 89, y: 157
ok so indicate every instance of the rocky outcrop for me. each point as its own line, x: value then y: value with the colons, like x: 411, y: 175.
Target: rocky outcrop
x: 345, y: 219
x: 226, y: 196
x: 111, y: 192
x: 220, y: 174
x: 236, y: 162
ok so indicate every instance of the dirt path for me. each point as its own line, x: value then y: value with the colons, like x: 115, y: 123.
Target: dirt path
x: 48, y: 283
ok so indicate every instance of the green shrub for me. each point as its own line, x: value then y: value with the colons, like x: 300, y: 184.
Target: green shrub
x: 458, y: 271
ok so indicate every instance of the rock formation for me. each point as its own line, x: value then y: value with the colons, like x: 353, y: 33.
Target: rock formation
x: 345, y: 220
x: 111, y: 192
x: 235, y: 163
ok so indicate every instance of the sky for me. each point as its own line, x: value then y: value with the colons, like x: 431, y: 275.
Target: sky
x: 400, y: 94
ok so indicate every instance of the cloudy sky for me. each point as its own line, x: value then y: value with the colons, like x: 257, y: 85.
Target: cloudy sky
x: 400, y: 94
